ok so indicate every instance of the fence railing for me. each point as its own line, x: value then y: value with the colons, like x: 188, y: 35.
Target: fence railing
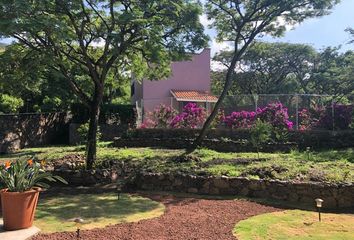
x: 304, y: 110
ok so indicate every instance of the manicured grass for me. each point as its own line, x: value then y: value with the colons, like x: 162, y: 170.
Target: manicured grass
x: 329, y: 166
x: 296, y: 225
x: 55, y: 214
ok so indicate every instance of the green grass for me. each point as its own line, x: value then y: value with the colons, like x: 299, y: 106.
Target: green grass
x: 55, y: 214
x: 296, y: 225
x: 329, y: 166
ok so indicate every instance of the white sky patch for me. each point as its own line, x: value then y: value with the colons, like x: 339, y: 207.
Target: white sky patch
x: 219, y: 46
x: 205, y: 21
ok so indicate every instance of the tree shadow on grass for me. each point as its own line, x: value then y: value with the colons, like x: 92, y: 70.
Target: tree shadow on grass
x: 57, y: 213
x: 334, y: 155
x: 19, y: 154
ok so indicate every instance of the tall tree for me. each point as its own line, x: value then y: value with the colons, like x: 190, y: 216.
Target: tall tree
x: 241, y: 21
x: 268, y: 68
x: 139, y: 36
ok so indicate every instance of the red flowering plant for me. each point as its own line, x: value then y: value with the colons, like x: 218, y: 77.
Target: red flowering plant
x: 192, y: 116
x: 24, y: 174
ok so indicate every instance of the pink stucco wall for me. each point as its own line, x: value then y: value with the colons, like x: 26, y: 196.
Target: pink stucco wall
x: 193, y: 74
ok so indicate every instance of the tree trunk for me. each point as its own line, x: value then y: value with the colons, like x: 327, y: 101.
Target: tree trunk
x: 91, y: 147
x: 228, y: 84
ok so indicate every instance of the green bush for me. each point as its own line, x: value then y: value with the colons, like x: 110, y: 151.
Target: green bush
x: 260, y: 134
x: 83, y: 131
x: 10, y: 104
x: 110, y: 114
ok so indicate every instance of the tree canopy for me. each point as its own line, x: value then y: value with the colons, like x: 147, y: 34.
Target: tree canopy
x: 95, y: 37
x: 271, y: 68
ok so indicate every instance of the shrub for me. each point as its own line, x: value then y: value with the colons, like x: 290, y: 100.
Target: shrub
x: 260, y: 134
x: 10, y: 104
x: 324, y: 118
x: 241, y: 119
x: 83, y: 131
x: 276, y: 115
x: 109, y: 114
x: 161, y: 117
x: 192, y: 116
x: 339, y: 119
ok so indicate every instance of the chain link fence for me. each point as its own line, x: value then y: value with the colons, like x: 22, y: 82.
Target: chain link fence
x: 305, y: 111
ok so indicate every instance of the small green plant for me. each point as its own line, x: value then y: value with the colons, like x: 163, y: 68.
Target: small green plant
x: 260, y: 134
x: 308, y: 153
x: 24, y: 174
x: 83, y: 131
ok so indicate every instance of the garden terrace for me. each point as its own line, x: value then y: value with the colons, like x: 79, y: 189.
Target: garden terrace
x: 273, y: 175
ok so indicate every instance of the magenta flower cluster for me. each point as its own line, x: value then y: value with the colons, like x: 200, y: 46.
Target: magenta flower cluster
x: 241, y: 119
x: 161, y: 117
x: 336, y: 117
x: 192, y: 116
x: 274, y: 113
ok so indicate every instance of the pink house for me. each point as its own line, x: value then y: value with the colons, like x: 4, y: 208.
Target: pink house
x: 189, y: 82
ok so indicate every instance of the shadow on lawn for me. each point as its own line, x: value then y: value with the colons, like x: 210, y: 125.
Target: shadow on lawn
x: 92, y: 206
x: 334, y: 155
x: 19, y: 154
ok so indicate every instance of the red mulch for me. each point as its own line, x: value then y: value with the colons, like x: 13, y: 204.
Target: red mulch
x: 185, y: 218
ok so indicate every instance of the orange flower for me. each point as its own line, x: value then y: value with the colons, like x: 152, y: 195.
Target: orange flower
x: 43, y: 163
x: 30, y: 162
x: 7, y: 164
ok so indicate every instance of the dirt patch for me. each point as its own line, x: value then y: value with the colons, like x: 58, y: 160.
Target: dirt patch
x: 236, y: 161
x: 266, y: 172
x: 185, y: 218
x: 68, y: 162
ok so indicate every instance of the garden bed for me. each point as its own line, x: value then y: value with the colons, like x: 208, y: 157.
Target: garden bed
x: 184, y: 218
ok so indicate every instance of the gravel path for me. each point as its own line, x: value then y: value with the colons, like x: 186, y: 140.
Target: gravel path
x: 185, y: 218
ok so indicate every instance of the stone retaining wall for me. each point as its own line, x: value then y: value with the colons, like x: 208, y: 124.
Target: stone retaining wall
x: 334, y: 195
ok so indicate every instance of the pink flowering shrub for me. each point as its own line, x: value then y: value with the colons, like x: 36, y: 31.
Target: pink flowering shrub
x: 324, y: 118
x: 274, y: 113
x: 161, y: 117
x: 192, y: 116
x: 241, y: 119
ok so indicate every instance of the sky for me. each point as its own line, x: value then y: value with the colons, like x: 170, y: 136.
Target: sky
x: 318, y: 32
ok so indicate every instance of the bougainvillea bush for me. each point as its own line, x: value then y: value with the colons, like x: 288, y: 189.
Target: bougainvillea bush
x: 274, y: 113
x: 243, y: 119
x: 161, y: 117
x: 192, y: 116
x: 337, y: 118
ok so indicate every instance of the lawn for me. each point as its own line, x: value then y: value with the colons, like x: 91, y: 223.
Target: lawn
x: 56, y: 214
x: 296, y: 225
x: 329, y: 166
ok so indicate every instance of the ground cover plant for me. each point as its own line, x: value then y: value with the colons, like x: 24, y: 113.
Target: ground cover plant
x: 328, y: 166
x: 296, y: 224
x: 56, y: 214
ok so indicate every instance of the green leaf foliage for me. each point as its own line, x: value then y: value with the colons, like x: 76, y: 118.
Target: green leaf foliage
x: 24, y: 174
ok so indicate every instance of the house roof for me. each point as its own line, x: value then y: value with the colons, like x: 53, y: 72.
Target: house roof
x: 193, y: 96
